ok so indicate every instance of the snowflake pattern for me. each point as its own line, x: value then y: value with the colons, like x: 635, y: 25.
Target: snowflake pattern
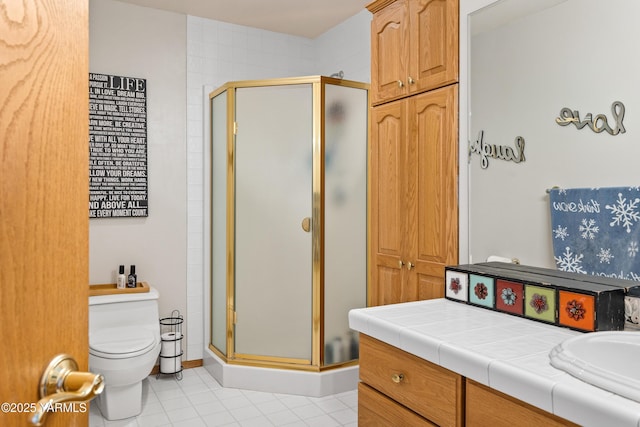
x: 560, y: 232
x: 588, y: 229
x: 632, y: 249
x: 570, y: 262
x: 605, y: 255
x: 623, y: 213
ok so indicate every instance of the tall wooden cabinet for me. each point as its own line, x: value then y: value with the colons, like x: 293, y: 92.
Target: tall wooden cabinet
x: 413, y: 203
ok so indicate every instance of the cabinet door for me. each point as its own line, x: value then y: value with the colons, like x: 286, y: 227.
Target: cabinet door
x: 432, y: 189
x: 433, y: 50
x: 387, y: 204
x: 389, y: 52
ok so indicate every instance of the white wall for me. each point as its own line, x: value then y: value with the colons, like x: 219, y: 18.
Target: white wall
x: 183, y: 58
x: 579, y: 55
x: 135, y: 41
x: 346, y: 47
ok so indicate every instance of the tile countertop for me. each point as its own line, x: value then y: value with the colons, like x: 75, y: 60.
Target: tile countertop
x: 504, y: 352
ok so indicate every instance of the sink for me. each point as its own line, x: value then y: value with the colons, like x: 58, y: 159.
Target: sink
x: 609, y: 360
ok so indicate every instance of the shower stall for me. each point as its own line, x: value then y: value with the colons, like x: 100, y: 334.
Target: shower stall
x: 288, y: 221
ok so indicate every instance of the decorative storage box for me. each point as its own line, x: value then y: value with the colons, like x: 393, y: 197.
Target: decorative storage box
x: 542, y: 295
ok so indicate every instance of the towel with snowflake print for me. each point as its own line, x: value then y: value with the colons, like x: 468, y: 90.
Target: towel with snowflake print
x: 596, y: 230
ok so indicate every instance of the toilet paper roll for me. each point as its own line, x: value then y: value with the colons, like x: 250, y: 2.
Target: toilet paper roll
x: 170, y: 365
x: 171, y: 344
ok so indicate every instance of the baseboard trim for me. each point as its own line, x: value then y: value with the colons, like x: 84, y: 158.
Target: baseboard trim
x: 186, y: 364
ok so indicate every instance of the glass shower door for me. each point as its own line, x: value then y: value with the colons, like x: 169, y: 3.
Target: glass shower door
x: 273, y: 196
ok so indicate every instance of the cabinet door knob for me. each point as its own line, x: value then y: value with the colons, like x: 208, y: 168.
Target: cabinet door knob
x: 400, y: 83
x: 397, y: 378
x: 410, y: 80
x: 400, y: 263
x: 410, y: 265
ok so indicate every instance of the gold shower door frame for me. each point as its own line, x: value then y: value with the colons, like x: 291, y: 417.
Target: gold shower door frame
x: 317, y: 225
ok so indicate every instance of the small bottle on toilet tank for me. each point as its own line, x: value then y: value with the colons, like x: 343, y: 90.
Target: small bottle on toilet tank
x: 132, y: 279
x: 121, y: 280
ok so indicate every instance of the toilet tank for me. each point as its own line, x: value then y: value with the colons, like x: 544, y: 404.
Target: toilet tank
x: 126, y: 309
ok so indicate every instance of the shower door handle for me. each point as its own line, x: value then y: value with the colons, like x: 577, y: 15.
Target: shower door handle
x: 306, y: 224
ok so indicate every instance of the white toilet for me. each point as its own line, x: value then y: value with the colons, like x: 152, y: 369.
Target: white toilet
x: 124, y: 344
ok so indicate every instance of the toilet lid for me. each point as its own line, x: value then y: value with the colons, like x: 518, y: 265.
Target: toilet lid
x: 119, y: 343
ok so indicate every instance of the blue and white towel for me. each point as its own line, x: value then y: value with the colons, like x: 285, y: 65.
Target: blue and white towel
x: 597, y: 230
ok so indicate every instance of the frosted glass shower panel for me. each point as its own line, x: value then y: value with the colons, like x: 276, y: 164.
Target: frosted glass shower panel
x: 273, y: 194
x: 345, y: 217
x: 219, y: 221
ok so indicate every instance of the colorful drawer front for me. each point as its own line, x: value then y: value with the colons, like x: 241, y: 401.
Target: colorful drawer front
x: 576, y: 310
x: 482, y: 290
x: 510, y: 297
x: 457, y: 285
x: 540, y: 303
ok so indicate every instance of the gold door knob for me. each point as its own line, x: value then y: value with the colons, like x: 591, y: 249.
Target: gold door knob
x: 397, y: 378
x: 61, y: 382
x: 306, y: 224
x: 400, y: 264
x: 400, y: 83
x: 410, y: 265
x: 410, y: 80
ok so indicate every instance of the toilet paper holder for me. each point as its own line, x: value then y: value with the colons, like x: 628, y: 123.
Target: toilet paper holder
x: 171, y: 345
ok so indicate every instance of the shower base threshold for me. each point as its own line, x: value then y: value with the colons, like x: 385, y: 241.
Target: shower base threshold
x: 286, y: 381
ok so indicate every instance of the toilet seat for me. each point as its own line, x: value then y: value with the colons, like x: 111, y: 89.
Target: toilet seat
x: 121, y: 343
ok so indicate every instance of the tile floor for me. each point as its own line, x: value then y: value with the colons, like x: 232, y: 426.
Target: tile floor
x: 198, y: 400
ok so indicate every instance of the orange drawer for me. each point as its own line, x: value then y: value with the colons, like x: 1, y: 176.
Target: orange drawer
x: 428, y: 389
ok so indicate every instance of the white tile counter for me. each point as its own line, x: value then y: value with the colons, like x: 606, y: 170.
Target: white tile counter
x: 504, y: 352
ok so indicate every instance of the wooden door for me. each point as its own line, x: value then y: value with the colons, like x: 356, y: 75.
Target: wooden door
x: 387, y: 208
x: 389, y: 51
x: 43, y: 198
x: 432, y: 189
x: 433, y: 36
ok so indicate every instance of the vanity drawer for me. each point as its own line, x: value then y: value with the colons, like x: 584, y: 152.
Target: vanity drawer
x: 430, y: 390
x: 488, y: 407
x: 377, y: 410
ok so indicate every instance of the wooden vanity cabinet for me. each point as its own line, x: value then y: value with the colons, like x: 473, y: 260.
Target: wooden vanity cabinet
x: 413, y: 196
x: 414, y: 46
x: 399, y: 388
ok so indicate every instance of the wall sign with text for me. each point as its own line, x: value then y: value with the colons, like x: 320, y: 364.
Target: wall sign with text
x: 495, y: 151
x: 118, y: 185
